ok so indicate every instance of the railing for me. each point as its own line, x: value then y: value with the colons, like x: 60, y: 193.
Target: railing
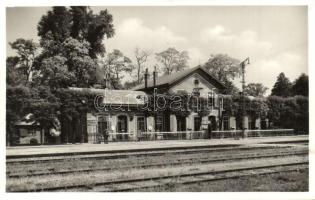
x: 189, y: 135
x: 113, y: 137
x: 167, y: 135
x: 252, y: 133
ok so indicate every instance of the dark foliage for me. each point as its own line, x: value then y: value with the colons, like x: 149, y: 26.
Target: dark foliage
x: 300, y: 86
x: 282, y: 87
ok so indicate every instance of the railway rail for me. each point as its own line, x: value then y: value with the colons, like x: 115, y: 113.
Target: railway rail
x: 161, y: 164
x: 184, y: 178
x: 176, y: 165
x: 206, y: 177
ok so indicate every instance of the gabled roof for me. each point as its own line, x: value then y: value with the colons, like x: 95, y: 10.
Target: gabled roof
x: 173, y: 78
x: 117, y: 97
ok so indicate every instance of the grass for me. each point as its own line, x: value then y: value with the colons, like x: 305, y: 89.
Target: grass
x: 296, y: 181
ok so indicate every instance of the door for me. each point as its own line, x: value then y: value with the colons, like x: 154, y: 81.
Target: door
x: 181, y: 123
x: 141, y: 124
x: 213, y: 122
x: 197, y: 123
x: 122, y: 126
x: 159, y: 123
x: 102, y: 125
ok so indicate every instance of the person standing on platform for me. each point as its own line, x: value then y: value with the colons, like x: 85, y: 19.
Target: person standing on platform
x: 209, y: 129
x: 105, y: 136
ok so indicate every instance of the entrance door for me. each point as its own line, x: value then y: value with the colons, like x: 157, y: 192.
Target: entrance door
x: 159, y: 123
x: 197, y: 123
x: 213, y: 122
x: 141, y: 124
x: 122, y: 126
x: 181, y: 123
x: 102, y: 125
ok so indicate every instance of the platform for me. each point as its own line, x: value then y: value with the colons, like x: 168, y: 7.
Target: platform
x: 123, y: 146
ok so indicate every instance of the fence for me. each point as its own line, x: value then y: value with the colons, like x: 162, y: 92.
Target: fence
x: 179, y: 135
x: 189, y: 135
x: 119, y: 137
x: 252, y: 133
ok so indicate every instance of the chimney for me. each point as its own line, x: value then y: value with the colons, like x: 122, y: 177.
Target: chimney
x: 154, y: 77
x: 146, y: 78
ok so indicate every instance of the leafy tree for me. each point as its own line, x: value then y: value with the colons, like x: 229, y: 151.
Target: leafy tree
x: 300, y: 85
x: 172, y: 60
x: 16, y: 104
x: 79, y: 62
x: 258, y: 108
x: 55, y: 26
x: 230, y: 88
x: 114, y: 65
x: 302, y: 114
x: 295, y: 114
x: 55, y: 73
x: 74, y: 105
x: 275, y: 105
x: 74, y: 35
x: 26, y: 52
x: 80, y: 18
x: 255, y: 89
x: 71, y: 67
x: 70, y: 41
x: 15, y: 75
x: 78, y: 22
x: 225, y: 69
x: 282, y: 87
x: 99, y: 26
x: 141, y: 57
x: 44, y: 106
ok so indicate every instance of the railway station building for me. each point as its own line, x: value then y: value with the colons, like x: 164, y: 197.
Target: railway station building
x: 124, y: 120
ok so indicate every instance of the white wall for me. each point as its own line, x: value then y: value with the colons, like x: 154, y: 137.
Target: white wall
x: 188, y: 85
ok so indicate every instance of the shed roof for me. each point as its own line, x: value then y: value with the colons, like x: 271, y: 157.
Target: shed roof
x: 117, y: 97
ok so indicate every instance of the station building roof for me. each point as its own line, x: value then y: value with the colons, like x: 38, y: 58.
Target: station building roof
x: 175, y: 77
x: 117, y: 97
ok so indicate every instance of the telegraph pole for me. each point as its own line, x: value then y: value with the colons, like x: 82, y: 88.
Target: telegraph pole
x: 243, y: 64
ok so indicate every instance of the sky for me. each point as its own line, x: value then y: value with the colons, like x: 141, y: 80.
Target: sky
x: 273, y: 37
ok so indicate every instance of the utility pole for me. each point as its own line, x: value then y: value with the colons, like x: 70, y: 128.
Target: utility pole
x: 243, y: 64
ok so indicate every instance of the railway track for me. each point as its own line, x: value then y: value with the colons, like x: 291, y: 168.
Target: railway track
x: 123, y: 154
x: 186, y: 161
x: 136, y: 170
x: 184, y: 178
x: 204, y: 177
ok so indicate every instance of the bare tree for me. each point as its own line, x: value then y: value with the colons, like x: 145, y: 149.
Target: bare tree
x: 172, y: 60
x: 141, y: 57
x: 114, y: 66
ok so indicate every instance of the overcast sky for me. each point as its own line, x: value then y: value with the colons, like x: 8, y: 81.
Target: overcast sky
x: 275, y: 38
